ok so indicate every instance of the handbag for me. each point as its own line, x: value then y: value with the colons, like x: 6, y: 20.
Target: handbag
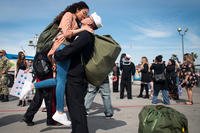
x: 159, y: 77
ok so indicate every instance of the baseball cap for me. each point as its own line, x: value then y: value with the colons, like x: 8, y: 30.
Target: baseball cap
x: 128, y: 56
x: 97, y: 19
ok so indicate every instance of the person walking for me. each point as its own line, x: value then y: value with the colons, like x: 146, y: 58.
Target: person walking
x: 48, y: 94
x: 145, y: 79
x: 4, y: 67
x: 160, y: 82
x: 115, y: 79
x: 128, y: 71
x: 104, y: 90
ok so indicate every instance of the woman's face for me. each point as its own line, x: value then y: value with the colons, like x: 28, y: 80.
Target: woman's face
x: 22, y: 56
x: 143, y: 60
x: 169, y: 62
x: 81, y: 14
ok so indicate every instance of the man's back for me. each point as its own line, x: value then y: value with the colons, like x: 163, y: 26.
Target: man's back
x: 80, y: 48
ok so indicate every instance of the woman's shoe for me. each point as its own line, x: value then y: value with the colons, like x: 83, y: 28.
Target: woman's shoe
x: 146, y: 96
x: 61, y: 118
x: 189, y: 103
x: 23, y: 103
x: 139, y: 96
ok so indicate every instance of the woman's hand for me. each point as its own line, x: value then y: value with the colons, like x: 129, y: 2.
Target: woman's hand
x: 54, y: 67
x: 68, y: 34
x: 51, y: 52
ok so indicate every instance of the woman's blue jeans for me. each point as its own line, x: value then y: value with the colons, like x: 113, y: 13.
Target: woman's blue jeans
x: 60, y: 81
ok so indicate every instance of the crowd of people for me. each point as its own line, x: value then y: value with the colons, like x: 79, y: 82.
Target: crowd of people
x: 73, y: 45
x: 169, y: 78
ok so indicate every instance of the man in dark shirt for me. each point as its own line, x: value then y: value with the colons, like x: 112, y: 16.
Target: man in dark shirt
x: 80, y: 48
x: 128, y: 70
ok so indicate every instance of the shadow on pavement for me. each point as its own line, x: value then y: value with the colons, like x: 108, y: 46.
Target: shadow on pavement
x: 181, y: 101
x: 99, y: 122
x: 54, y: 128
x: 13, y: 98
x: 6, y: 120
x: 40, y: 121
x: 99, y: 108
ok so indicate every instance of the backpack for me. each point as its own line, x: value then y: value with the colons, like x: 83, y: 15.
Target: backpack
x: 41, y: 65
x: 160, y: 77
x: 162, y: 119
x: 106, y: 51
x: 45, y: 40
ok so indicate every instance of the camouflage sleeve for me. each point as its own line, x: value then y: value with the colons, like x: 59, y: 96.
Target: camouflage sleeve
x: 6, y: 65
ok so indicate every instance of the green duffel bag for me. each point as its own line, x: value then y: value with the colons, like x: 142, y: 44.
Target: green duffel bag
x: 106, y: 51
x: 161, y: 119
x: 45, y: 40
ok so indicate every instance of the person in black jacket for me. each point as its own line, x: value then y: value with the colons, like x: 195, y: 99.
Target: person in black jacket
x: 80, y: 48
x: 128, y: 70
x: 171, y: 79
x: 160, y: 83
x: 145, y: 79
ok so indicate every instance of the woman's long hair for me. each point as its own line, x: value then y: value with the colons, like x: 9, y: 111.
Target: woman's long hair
x: 71, y: 8
x: 188, y: 58
x: 21, y: 59
x: 147, y: 62
x: 144, y: 57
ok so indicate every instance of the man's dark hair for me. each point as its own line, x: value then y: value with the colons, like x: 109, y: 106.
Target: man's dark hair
x: 159, y: 58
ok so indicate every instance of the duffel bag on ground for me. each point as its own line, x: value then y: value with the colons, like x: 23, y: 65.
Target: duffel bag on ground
x: 161, y: 119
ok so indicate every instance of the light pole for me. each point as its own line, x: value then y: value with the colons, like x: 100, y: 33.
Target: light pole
x: 32, y: 43
x: 182, y: 33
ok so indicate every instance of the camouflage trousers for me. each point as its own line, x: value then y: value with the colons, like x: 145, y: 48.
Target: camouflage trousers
x: 3, y: 85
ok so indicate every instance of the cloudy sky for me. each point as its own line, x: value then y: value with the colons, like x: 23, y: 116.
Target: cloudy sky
x: 142, y: 27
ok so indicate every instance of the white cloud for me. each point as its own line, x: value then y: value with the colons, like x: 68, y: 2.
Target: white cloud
x: 153, y: 33
x: 194, y: 39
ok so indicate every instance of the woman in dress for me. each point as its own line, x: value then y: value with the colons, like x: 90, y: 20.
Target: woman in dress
x: 188, y: 77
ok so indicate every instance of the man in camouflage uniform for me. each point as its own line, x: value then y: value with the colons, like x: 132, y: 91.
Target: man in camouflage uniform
x: 4, y: 66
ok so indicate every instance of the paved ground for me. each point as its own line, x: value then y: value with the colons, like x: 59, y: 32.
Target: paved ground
x: 125, y: 119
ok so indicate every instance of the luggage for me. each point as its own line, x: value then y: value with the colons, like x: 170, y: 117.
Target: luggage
x: 106, y: 51
x: 41, y: 65
x: 160, y: 77
x: 161, y: 119
x: 45, y: 40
